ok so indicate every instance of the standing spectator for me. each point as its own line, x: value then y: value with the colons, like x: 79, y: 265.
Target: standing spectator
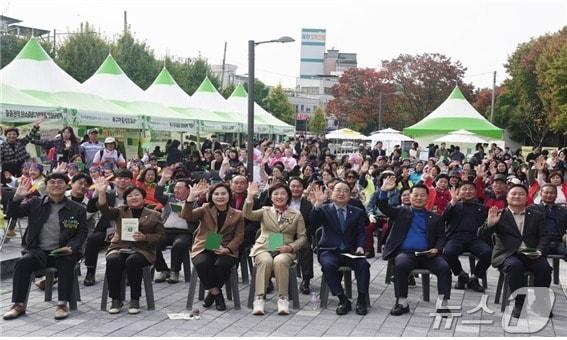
x: 457, y: 155
x: 211, y: 144
x: 65, y: 147
x: 377, y: 151
x: 109, y: 157
x: 442, y: 152
x: 13, y: 153
x: 174, y: 155
x: 91, y: 147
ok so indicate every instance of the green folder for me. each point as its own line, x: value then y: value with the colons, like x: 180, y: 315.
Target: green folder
x: 275, y: 240
x: 213, y: 241
x: 176, y: 208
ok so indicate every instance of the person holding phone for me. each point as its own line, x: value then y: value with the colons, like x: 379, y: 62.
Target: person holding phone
x: 217, y: 238
x: 57, y: 228
x: 282, y: 235
x: 127, y: 254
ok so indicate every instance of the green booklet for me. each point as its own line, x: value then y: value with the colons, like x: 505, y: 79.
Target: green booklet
x: 530, y: 251
x: 275, y: 240
x: 176, y: 208
x: 213, y: 241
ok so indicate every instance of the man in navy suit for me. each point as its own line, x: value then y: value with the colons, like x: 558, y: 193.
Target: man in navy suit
x: 343, y: 232
x: 414, y: 229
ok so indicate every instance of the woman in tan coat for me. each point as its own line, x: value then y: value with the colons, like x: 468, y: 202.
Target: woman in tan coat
x: 217, y: 239
x: 280, y: 227
x: 129, y: 255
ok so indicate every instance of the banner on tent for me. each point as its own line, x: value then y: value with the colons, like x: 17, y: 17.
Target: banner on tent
x: 106, y: 120
x: 24, y: 114
x: 211, y: 126
x: 172, y: 125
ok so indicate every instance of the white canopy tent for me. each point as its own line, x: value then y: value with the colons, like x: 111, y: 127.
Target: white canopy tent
x: 389, y: 138
x: 461, y: 136
x: 346, y: 134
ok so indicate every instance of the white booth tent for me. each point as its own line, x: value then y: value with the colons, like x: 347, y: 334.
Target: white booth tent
x: 34, y: 73
x: 17, y: 107
x: 111, y: 83
x: 389, y: 138
x: 461, y: 136
x: 346, y: 134
x: 264, y: 122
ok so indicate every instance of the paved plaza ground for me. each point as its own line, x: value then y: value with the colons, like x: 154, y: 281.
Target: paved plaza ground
x: 171, y: 298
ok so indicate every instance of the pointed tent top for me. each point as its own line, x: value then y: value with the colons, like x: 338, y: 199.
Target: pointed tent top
x: 456, y: 94
x: 164, y: 78
x: 33, y: 50
x: 239, y: 91
x: 207, y: 86
x: 109, y: 66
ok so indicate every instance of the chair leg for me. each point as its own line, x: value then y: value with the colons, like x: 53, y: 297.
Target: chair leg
x: 293, y: 289
x: 192, y: 287
x: 234, y: 287
x: 389, y: 272
x: 252, y: 290
x: 123, y: 287
x: 324, y: 293
x: 103, y: 300
x: 348, y: 283
x: 555, y: 262
x: 499, y: 288
x: 148, y: 288
x: 49, y: 278
x: 201, y: 296
x: 186, y: 266
x: 425, y: 280
x: 505, y: 293
x: 228, y: 288
x: 76, y: 295
x: 32, y: 279
x: 243, y: 267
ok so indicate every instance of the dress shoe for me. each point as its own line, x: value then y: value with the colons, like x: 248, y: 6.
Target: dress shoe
x: 173, y: 277
x: 475, y: 285
x: 89, y: 280
x: 14, y: 312
x: 344, y: 306
x: 361, y: 308
x: 270, y: 288
x: 219, y: 301
x: 208, y: 301
x: 369, y: 254
x: 162, y: 277
x: 399, y: 309
x: 10, y: 233
x: 462, y: 281
x: 134, y: 307
x: 115, y: 306
x: 61, y: 312
x: 304, y: 287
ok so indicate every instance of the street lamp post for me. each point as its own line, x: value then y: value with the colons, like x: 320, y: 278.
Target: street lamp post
x: 381, y: 105
x: 250, y: 141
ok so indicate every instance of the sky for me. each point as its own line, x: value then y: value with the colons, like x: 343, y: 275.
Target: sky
x: 481, y: 34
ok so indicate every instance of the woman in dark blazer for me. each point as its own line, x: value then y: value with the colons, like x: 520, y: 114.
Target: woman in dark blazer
x: 129, y: 255
x: 216, y: 217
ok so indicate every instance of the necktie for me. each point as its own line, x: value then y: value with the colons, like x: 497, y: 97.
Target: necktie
x: 342, y: 220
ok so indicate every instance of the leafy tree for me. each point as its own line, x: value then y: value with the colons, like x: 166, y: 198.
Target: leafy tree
x: 278, y: 105
x: 425, y: 81
x: 191, y: 73
x: 82, y: 52
x: 261, y: 92
x: 11, y: 45
x: 484, y: 100
x: 318, y: 122
x: 227, y: 91
x: 136, y: 60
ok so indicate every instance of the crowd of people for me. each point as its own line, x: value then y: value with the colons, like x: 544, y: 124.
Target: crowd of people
x: 508, y: 211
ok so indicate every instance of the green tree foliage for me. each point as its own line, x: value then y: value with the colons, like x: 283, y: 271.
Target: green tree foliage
x: 261, y: 92
x: 227, y: 91
x: 279, y: 105
x: 189, y: 74
x: 11, y: 45
x: 318, y: 122
x: 82, y: 52
x: 136, y: 60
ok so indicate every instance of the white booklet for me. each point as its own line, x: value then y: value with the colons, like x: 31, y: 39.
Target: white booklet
x: 129, y: 227
x: 353, y: 256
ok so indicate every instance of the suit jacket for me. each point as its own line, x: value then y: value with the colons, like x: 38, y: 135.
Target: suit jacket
x: 37, y: 210
x: 232, y: 230
x: 354, y: 235
x: 150, y: 224
x: 453, y: 215
x: 507, y: 238
x: 400, y: 223
x: 561, y: 216
x: 92, y: 207
x: 291, y: 225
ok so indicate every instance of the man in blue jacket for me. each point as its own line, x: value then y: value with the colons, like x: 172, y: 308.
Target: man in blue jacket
x: 415, y: 241
x: 343, y: 234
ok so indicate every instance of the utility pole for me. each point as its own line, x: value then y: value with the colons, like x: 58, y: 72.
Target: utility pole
x: 223, y: 63
x: 493, y: 97
x: 380, y: 109
x: 125, y: 22
x: 54, y: 41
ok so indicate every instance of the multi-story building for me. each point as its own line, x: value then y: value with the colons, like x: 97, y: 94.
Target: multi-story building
x: 11, y: 26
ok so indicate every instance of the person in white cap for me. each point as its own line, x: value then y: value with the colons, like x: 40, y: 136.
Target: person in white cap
x: 109, y: 156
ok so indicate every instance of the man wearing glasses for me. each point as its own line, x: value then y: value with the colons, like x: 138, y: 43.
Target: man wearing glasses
x: 57, y: 228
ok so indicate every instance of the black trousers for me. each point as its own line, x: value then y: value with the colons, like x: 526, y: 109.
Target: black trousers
x: 330, y: 263
x: 213, y: 269
x: 516, y: 265
x: 404, y: 263
x: 28, y: 263
x: 180, y: 241
x: 455, y: 247
x: 95, y: 242
x: 133, y: 263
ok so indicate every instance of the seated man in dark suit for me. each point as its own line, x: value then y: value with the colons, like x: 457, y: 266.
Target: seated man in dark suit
x: 343, y: 232
x: 555, y: 219
x: 517, y: 228
x: 57, y: 229
x: 414, y: 229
